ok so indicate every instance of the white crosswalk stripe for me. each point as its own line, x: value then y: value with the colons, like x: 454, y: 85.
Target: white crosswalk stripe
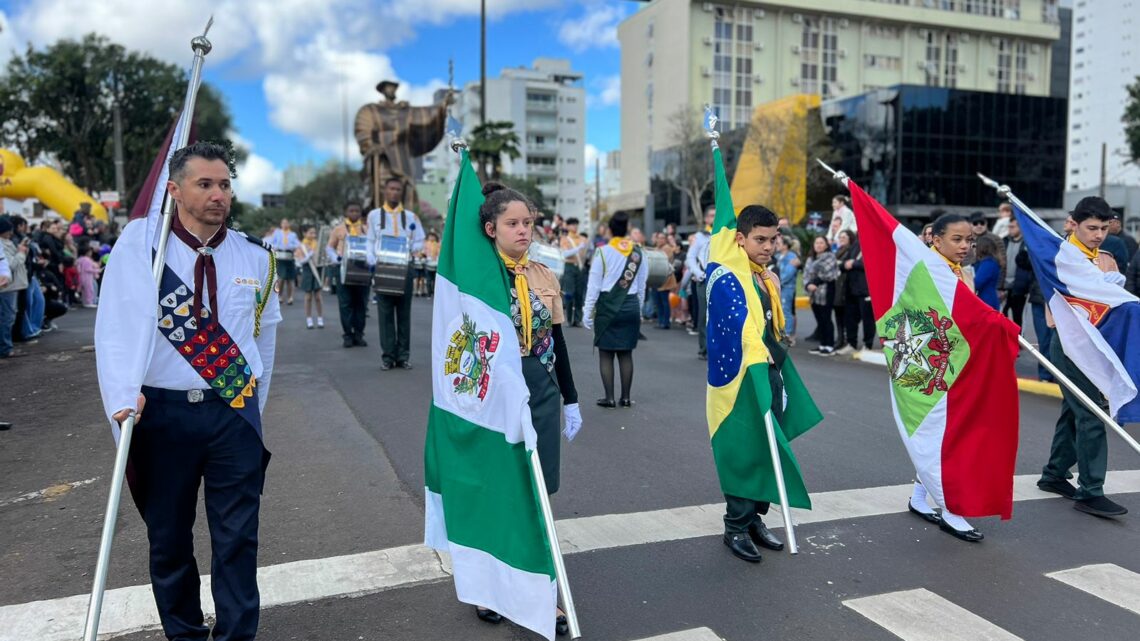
x: 131, y: 609
x: 696, y: 634
x: 921, y: 615
x: 1105, y: 581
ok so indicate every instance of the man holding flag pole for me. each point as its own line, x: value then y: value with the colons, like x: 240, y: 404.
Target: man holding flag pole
x: 756, y: 402
x: 1095, y: 320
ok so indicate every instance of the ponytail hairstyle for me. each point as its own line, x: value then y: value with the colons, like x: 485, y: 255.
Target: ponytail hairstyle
x: 938, y: 227
x: 497, y: 197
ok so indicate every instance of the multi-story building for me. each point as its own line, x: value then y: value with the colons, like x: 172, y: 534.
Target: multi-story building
x: 737, y: 55
x: 547, y: 104
x: 1105, y: 60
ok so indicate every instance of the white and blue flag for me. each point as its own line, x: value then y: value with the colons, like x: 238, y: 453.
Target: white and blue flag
x: 1096, y: 317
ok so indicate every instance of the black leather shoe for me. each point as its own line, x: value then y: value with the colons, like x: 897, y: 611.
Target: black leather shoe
x: 1100, y: 506
x: 348, y: 342
x: 625, y: 402
x: 490, y: 616
x: 404, y: 365
x: 606, y: 402
x: 1057, y: 486
x: 385, y: 366
x: 4, y: 427
x: 970, y: 536
x: 929, y: 518
x: 763, y: 537
x: 359, y: 342
x: 742, y: 546
x: 561, y: 625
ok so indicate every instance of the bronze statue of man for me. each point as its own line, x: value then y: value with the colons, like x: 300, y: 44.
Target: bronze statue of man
x: 390, y: 134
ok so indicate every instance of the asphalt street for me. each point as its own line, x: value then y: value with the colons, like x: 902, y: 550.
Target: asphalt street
x: 347, y: 478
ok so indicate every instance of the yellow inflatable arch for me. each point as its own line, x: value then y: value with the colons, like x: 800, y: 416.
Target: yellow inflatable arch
x: 20, y: 182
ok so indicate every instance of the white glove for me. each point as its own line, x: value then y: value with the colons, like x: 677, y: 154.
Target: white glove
x: 573, y: 421
x: 588, y: 322
x: 1116, y: 278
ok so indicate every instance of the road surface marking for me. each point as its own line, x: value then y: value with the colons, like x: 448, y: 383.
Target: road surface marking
x: 921, y: 615
x: 696, y: 634
x: 1105, y: 581
x: 48, y: 493
x: 131, y: 609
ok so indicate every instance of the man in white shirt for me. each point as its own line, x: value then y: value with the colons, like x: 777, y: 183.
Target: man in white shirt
x: 198, y: 352
x: 841, y: 210
x: 395, y: 311
x: 696, y: 260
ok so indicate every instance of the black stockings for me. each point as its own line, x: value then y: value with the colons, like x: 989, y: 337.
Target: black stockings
x: 606, y: 366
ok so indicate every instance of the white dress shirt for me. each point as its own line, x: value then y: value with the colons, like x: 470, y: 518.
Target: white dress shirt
x: 605, y: 271
x: 413, y: 230
x: 697, y: 257
x: 130, y: 352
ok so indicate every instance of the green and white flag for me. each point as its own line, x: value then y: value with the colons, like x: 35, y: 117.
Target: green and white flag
x: 482, y: 506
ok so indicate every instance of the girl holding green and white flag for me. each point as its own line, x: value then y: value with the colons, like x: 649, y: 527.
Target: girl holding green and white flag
x: 507, y: 218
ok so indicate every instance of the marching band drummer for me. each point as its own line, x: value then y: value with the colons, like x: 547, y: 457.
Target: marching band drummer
x: 284, y: 241
x: 199, y: 353
x: 352, y: 299
x: 395, y: 311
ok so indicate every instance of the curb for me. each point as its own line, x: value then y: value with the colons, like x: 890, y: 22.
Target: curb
x: 1034, y: 386
x: 1029, y: 385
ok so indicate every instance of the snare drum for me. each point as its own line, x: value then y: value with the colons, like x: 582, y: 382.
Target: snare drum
x: 659, y: 268
x: 354, y: 269
x: 393, y: 263
x: 549, y: 256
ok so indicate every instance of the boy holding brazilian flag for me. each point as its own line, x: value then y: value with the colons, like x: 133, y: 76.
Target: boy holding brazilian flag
x: 750, y: 374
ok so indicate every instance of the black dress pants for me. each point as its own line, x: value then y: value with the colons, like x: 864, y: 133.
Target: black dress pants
x: 353, y: 303
x: 395, y: 325
x: 176, y: 447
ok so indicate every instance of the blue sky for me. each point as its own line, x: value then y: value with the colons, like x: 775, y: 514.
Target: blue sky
x: 283, y: 66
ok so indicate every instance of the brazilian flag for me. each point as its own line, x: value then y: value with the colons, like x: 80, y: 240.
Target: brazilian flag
x: 740, y: 391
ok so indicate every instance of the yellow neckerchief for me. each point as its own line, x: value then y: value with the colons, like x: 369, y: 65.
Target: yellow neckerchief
x: 708, y: 229
x: 354, y: 229
x: 522, y: 289
x: 1091, y: 254
x: 311, y: 245
x: 623, y: 245
x: 395, y: 221
x: 954, y: 267
x: 773, y: 297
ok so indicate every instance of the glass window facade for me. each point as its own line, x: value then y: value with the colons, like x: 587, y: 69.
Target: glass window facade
x: 947, y: 136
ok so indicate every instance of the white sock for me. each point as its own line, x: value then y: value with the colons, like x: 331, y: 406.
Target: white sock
x: 321, y: 321
x: 309, y: 321
x: 918, y: 499
x: 955, y: 521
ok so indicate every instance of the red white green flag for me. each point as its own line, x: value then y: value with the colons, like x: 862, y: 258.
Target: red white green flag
x: 950, y: 358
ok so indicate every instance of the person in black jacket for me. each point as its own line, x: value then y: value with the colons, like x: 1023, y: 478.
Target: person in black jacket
x: 1132, y: 275
x: 857, y: 298
x: 1018, y: 274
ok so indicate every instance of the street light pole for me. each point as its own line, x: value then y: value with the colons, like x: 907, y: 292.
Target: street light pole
x: 482, y: 61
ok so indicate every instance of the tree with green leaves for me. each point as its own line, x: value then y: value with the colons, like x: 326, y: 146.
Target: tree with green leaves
x: 1132, y: 121
x: 319, y: 201
x: 527, y: 187
x: 58, y: 102
x: 489, y: 143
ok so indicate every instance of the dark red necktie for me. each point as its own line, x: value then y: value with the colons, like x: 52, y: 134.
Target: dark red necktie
x: 204, y: 269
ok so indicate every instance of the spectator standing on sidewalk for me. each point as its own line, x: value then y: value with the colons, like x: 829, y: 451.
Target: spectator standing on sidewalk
x: 1018, y: 273
x: 788, y: 267
x: 695, y: 261
x: 820, y: 275
x: 17, y: 281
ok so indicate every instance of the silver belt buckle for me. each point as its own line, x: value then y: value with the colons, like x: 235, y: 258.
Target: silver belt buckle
x: 195, y: 396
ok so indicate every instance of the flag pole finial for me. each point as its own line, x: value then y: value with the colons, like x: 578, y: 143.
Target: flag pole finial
x: 838, y: 175
x: 1003, y: 190
x: 201, y: 44
x: 710, y: 122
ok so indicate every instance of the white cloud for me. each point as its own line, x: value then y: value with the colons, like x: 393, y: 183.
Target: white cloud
x: 441, y: 11
x: 611, y: 91
x: 596, y: 28
x: 593, y: 154
x: 8, y: 41
x: 256, y: 176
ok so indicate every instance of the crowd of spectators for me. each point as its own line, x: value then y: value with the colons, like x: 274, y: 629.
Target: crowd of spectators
x: 47, y: 269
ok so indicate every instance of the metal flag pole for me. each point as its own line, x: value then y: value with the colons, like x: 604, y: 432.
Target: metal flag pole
x: 458, y: 145
x: 1004, y: 191
x: 555, y: 547
x: 781, y: 489
x: 1081, y: 396
x: 201, y: 47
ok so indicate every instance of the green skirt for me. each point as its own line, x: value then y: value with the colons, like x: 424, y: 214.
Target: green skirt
x: 546, y: 415
x: 621, y: 334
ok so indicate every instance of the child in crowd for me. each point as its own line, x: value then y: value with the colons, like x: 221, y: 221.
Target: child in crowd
x: 88, y: 270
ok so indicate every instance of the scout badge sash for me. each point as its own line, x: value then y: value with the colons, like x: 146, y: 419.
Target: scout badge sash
x: 609, y: 303
x: 208, y: 348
